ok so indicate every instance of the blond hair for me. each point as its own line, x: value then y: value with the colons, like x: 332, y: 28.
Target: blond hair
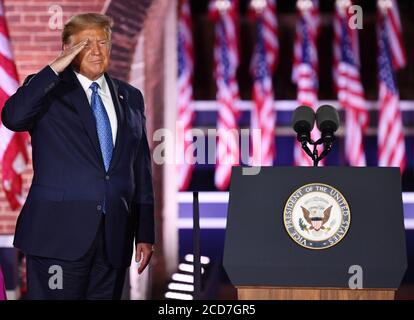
x: 83, y: 21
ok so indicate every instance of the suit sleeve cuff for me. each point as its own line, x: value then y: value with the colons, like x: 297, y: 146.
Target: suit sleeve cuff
x: 53, y: 70
x: 145, y: 230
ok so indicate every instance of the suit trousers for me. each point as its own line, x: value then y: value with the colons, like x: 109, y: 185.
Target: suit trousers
x: 89, y: 278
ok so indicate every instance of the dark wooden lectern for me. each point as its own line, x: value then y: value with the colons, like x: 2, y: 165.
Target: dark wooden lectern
x: 264, y: 262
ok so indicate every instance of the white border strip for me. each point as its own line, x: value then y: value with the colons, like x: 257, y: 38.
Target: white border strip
x: 6, y: 241
x: 408, y: 197
x: 204, y: 197
x: 223, y: 197
x: 221, y: 223
x: 409, y: 224
x: 205, y: 223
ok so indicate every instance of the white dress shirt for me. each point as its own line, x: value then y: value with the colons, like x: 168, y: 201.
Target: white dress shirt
x: 106, y: 97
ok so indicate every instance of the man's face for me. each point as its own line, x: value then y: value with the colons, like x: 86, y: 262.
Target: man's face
x: 93, y: 60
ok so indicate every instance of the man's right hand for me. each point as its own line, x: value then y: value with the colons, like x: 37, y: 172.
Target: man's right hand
x: 66, y: 56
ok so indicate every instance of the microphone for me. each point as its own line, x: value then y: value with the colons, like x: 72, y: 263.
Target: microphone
x: 327, y: 121
x: 303, y: 121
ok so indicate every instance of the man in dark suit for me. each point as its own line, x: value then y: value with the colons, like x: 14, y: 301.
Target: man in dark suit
x: 91, y: 193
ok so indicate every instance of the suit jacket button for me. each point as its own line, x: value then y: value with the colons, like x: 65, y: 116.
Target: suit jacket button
x: 106, y: 177
x: 99, y: 207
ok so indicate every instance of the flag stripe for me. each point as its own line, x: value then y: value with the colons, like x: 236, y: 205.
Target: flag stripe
x: 305, y: 69
x: 263, y: 63
x: 184, y: 150
x: 348, y: 85
x: 391, y: 144
x: 226, y: 60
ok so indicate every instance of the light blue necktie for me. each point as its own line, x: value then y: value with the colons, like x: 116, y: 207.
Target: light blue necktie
x: 103, y: 126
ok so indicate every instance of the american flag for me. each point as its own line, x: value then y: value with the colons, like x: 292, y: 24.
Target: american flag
x: 348, y: 84
x: 226, y: 60
x: 263, y: 64
x: 391, y: 57
x: 305, y: 65
x: 185, y: 95
x: 13, y: 153
x: 392, y: 22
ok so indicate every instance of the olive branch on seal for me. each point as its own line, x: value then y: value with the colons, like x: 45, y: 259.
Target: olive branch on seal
x: 303, y: 226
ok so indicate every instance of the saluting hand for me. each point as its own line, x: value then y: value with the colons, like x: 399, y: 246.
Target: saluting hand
x: 67, y: 56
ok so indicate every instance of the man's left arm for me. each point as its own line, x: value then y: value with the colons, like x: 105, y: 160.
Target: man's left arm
x: 144, y: 199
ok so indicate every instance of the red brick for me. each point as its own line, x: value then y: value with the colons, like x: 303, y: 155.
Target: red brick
x: 9, y: 229
x: 30, y: 28
x: 37, y: 49
x: 74, y: 9
x: 46, y: 38
x: 28, y: 7
x: 7, y: 218
x: 15, y: 18
x: 44, y: 18
x: 29, y: 19
x: 21, y: 37
x: 55, y: 48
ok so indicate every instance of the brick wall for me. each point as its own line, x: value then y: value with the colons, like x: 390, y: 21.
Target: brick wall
x: 129, y: 16
x: 36, y: 42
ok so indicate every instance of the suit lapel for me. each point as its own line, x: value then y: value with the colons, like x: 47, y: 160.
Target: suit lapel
x: 76, y: 96
x: 120, y: 114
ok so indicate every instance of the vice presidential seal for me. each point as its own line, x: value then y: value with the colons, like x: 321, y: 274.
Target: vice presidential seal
x: 317, y: 216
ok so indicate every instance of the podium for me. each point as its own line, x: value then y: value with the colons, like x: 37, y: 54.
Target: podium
x: 315, y: 233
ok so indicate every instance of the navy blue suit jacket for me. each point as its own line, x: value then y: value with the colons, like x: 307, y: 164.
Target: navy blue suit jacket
x: 63, y: 209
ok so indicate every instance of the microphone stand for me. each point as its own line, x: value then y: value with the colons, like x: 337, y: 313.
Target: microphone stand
x: 327, y: 140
